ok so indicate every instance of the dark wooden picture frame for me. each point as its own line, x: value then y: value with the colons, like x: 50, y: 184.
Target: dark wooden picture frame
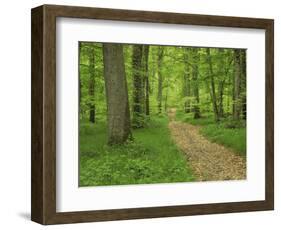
x: 43, y: 189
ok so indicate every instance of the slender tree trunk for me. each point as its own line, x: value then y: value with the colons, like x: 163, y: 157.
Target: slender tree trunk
x: 186, y: 80
x: 229, y: 94
x: 146, y: 79
x: 243, y: 83
x: 138, y: 87
x: 220, y: 104
x: 228, y: 101
x: 212, y: 83
x: 160, y: 77
x: 195, y: 73
x: 118, y: 113
x: 92, y: 109
x: 166, y: 96
x: 153, y: 70
x: 237, y: 82
x: 80, y: 84
x: 222, y: 76
x: 233, y: 93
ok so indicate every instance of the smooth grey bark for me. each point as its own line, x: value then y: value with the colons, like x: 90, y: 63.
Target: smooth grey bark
x: 118, y: 113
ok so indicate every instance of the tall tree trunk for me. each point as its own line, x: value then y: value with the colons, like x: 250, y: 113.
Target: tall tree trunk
x: 243, y: 83
x: 196, y: 108
x: 153, y: 70
x: 118, y: 113
x: 220, y: 103
x: 138, y: 86
x: 195, y: 73
x: 92, y: 106
x: 229, y: 93
x: 80, y: 75
x: 166, y: 96
x: 233, y: 92
x: 146, y: 79
x: 186, y: 82
x: 237, y: 82
x: 160, y: 77
x: 212, y: 83
x: 223, y: 71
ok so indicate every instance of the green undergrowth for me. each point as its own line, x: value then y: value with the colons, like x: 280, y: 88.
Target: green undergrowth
x: 226, y: 132
x: 151, y: 157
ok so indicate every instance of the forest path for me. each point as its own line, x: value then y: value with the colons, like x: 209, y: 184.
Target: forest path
x: 209, y: 161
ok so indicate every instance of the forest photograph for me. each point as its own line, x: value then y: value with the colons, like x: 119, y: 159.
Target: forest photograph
x: 161, y: 114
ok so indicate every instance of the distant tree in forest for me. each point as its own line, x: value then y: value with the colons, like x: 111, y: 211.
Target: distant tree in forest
x: 146, y: 78
x: 167, y: 86
x: 222, y: 75
x: 195, y: 82
x: 212, y: 85
x: 160, y: 55
x: 243, y: 83
x: 118, y: 113
x: 92, y: 106
x: 138, y: 93
x: 140, y: 57
x: 237, y: 85
x: 186, y: 80
x: 80, y: 76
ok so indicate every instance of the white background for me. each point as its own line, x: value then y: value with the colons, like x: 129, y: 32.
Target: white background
x: 15, y: 114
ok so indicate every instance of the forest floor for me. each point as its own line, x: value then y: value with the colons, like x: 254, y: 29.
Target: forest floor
x: 152, y: 157
x: 209, y: 161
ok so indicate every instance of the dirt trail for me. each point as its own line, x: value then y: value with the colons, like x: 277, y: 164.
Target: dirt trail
x: 209, y: 161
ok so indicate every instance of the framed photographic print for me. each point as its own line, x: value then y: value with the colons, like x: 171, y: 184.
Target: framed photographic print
x: 139, y: 114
